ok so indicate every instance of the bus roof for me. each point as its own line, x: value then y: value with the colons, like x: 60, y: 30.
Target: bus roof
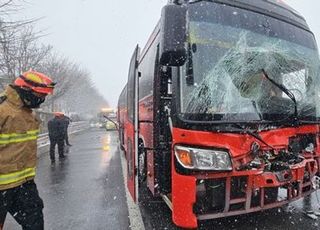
x: 274, y: 8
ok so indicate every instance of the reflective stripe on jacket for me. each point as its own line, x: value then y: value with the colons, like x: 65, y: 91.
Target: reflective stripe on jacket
x: 18, y: 137
x: 17, y: 176
x: 19, y: 130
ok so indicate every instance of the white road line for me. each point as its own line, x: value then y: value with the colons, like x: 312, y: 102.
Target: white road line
x: 135, y: 218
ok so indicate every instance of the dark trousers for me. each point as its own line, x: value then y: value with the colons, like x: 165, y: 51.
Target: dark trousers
x: 3, y: 214
x: 53, y: 143
x: 24, y: 204
x: 67, y: 138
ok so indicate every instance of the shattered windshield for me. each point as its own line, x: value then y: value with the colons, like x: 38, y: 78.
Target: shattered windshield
x: 225, y: 78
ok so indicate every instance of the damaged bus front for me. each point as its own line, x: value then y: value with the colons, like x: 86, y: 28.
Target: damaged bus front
x: 244, y: 113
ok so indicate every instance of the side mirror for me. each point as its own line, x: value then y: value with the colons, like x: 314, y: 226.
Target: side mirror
x: 173, y: 34
x: 109, y: 119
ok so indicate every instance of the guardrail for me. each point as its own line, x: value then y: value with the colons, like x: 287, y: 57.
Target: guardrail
x: 74, y: 127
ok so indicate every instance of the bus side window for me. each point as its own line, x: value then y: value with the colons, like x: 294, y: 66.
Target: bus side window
x: 131, y: 86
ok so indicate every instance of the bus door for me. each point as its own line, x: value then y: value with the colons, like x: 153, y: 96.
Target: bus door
x: 132, y: 127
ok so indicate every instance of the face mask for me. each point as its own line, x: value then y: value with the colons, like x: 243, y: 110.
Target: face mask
x: 29, y: 99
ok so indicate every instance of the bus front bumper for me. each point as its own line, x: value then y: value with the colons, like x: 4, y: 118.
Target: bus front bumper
x: 216, y: 195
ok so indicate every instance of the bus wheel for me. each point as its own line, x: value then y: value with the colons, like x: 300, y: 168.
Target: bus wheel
x: 142, y: 163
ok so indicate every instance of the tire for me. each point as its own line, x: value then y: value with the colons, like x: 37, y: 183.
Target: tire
x: 142, y: 164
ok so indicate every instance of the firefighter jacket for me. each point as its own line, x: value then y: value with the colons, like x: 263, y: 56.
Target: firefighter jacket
x: 19, y: 129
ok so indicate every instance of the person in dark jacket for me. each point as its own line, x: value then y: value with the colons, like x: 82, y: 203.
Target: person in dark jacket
x: 57, y: 134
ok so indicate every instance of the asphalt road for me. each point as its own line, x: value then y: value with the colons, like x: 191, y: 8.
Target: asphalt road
x: 86, y: 191
x: 156, y: 215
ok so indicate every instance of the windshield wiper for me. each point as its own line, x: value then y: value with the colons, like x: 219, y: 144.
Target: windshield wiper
x: 305, y: 122
x: 286, y: 91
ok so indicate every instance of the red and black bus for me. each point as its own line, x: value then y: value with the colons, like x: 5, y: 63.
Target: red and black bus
x: 220, y: 114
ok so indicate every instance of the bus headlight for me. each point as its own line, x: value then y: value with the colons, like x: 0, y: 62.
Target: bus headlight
x: 203, y: 159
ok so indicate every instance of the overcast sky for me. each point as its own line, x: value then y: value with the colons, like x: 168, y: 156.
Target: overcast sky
x: 310, y: 11
x: 101, y: 34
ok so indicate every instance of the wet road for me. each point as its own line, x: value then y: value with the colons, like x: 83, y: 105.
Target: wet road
x: 157, y: 216
x: 86, y: 191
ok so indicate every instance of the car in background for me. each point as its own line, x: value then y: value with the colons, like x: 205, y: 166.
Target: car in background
x: 111, y: 125
x: 108, y: 116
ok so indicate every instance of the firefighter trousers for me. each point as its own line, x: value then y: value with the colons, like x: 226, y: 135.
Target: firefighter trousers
x: 24, y: 204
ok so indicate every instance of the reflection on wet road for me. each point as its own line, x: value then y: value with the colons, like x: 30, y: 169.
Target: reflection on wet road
x: 85, y: 190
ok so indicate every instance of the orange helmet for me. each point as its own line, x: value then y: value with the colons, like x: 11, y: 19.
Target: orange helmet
x: 37, y: 82
x: 58, y: 114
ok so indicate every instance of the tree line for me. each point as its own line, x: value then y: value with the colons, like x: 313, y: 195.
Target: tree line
x: 21, y: 50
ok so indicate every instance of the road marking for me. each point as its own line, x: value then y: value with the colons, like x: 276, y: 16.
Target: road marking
x: 135, y: 217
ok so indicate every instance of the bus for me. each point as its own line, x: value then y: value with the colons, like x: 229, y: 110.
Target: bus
x: 220, y: 114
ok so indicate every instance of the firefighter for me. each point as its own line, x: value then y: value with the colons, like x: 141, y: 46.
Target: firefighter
x: 19, y: 129
x: 57, y: 135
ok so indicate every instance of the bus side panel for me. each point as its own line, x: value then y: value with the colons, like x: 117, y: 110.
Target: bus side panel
x: 146, y: 134
x: 122, y: 137
x: 121, y: 116
x: 129, y: 149
x: 147, y: 68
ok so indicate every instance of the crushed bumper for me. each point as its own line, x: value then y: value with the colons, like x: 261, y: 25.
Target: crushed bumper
x: 215, y: 195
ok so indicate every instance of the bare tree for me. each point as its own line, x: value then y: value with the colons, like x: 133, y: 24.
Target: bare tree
x: 62, y: 71
x: 19, y: 51
x: 82, y: 96
x: 7, y: 7
x: 7, y: 38
x: 29, y: 53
